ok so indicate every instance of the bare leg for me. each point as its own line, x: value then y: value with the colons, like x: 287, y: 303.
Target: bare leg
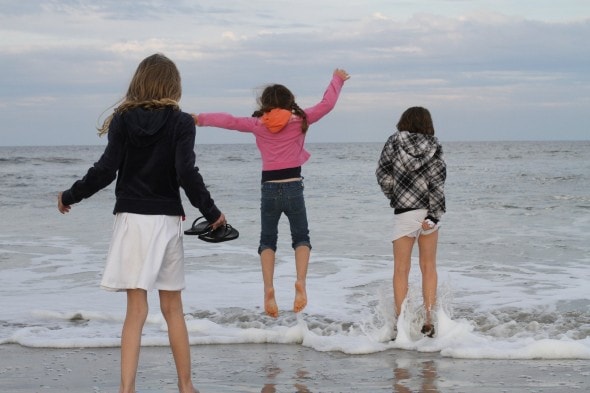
x: 402, y: 257
x: 171, y: 306
x: 267, y: 260
x: 137, y: 310
x: 427, y: 245
x: 302, y: 254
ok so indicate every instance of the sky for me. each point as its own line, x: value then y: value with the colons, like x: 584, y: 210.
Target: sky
x: 486, y: 70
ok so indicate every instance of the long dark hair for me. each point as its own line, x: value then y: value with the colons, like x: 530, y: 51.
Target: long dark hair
x: 416, y: 119
x: 278, y: 96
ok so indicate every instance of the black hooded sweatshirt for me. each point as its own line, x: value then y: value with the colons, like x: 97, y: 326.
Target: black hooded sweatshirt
x: 151, y: 154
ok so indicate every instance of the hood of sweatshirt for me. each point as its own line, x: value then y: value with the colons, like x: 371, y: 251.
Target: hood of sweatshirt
x: 276, y: 119
x: 144, y: 125
x: 416, y: 149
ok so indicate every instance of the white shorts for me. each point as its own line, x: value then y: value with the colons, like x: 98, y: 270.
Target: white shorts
x: 410, y: 224
x: 146, y: 252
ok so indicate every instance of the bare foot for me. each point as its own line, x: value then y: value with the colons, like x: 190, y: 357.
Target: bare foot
x: 300, y: 296
x: 270, y: 304
x: 189, y: 389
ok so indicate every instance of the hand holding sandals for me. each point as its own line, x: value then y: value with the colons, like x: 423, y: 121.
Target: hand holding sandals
x: 219, y: 231
x: 220, y: 222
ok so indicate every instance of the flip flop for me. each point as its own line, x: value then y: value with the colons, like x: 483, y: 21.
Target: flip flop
x: 198, y: 228
x: 221, y: 234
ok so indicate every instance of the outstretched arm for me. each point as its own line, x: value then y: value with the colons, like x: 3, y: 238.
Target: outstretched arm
x: 100, y: 175
x: 321, y: 109
x: 227, y: 121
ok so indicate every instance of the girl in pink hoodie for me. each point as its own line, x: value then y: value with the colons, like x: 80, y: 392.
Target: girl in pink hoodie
x: 280, y: 127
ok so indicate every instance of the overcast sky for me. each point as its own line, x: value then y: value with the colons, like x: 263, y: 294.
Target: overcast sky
x: 487, y: 70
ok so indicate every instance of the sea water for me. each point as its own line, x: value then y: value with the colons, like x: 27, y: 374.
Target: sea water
x: 513, y: 256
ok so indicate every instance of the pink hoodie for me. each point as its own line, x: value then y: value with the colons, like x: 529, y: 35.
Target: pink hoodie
x: 279, y: 149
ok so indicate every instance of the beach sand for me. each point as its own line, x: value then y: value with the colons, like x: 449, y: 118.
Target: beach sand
x: 284, y: 368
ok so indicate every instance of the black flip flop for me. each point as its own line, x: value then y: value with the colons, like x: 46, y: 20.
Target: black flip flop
x: 221, y: 234
x: 199, y: 228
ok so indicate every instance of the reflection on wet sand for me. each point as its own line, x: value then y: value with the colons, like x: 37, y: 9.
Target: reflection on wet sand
x: 273, y: 371
x: 423, y: 382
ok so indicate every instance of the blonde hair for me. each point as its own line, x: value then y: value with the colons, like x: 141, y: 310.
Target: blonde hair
x: 155, y: 85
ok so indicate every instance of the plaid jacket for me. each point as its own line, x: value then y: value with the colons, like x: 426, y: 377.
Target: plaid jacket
x: 412, y: 172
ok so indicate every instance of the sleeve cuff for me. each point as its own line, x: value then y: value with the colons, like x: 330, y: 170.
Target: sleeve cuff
x: 67, y: 198
x: 434, y: 220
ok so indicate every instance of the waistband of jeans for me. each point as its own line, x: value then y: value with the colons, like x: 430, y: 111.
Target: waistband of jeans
x: 282, y: 185
x: 281, y: 174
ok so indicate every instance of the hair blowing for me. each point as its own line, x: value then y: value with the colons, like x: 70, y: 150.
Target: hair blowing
x: 155, y: 85
x: 416, y: 119
x: 278, y: 96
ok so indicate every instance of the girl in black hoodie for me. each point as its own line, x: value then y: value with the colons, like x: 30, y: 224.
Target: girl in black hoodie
x: 150, y: 152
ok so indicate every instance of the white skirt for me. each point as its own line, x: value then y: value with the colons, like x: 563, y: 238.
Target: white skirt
x: 146, y: 252
x: 410, y: 224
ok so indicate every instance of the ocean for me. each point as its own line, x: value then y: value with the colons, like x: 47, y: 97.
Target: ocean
x: 513, y: 255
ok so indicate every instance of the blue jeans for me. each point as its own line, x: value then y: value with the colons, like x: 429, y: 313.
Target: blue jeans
x: 279, y: 198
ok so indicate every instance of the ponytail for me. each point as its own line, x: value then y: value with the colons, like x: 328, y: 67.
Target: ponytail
x: 299, y: 112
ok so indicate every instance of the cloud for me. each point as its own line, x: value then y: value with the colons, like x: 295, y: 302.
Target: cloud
x: 80, y: 55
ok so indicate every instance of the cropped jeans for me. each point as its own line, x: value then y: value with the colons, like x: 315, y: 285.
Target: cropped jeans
x: 278, y: 198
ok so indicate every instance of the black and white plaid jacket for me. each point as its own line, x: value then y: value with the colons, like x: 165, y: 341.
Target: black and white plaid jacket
x: 412, y: 173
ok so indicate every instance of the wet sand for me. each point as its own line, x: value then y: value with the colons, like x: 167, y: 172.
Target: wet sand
x: 280, y: 368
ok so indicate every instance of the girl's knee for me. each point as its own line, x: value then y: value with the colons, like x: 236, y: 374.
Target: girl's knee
x: 401, y: 271
x: 170, y: 303
x: 137, y: 313
x: 137, y: 305
x: 428, y: 268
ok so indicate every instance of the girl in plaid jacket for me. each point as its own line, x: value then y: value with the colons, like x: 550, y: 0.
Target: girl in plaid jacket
x: 412, y: 173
